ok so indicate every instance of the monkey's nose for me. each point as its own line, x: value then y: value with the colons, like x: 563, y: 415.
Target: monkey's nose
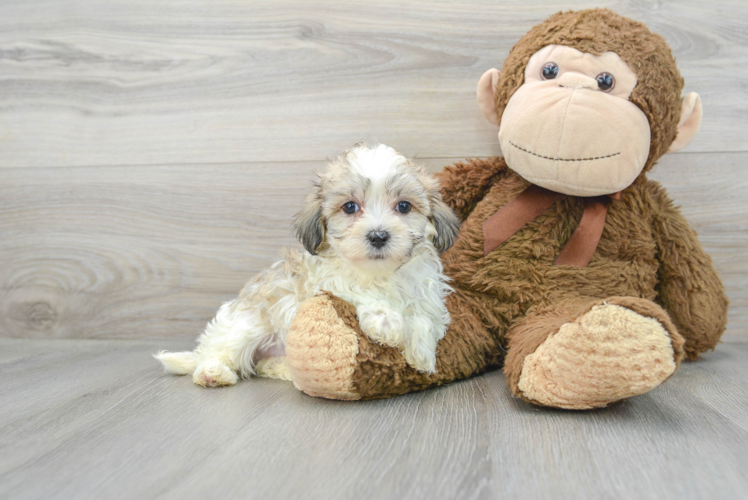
x: 378, y: 239
x: 574, y: 80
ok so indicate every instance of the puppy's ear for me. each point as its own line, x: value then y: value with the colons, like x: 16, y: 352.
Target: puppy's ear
x: 446, y: 222
x: 309, y: 226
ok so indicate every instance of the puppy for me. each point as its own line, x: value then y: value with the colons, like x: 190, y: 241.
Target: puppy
x: 372, y: 232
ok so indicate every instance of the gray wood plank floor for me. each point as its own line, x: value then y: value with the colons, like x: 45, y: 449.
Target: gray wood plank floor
x: 97, y: 419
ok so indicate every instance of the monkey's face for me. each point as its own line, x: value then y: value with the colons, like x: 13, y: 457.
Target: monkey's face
x: 571, y: 128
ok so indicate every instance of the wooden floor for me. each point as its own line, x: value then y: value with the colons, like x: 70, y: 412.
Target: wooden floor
x: 152, y: 155
x: 94, y: 419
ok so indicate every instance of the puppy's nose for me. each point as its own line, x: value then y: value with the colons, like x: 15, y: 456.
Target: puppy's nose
x: 378, y: 239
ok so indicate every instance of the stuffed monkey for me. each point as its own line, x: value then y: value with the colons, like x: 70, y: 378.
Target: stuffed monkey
x: 572, y: 270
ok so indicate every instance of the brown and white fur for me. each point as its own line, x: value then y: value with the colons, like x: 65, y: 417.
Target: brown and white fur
x: 382, y: 259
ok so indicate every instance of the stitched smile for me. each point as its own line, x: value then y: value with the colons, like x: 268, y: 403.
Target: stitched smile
x: 563, y: 159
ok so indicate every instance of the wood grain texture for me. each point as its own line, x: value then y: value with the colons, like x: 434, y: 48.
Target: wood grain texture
x: 138, y: 251
x: 97, y: 419
x: 152, y: 155
x: 136, y: 82
x: 147, y: 252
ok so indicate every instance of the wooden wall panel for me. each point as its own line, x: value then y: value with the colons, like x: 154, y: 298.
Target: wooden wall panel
x: 137, y: 82
x: 152, y: 154
x: 138, y: 252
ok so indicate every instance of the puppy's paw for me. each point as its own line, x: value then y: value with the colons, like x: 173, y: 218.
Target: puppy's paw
x: 213, y: 373
x: 422, y: 336
x: 421, y: 357
x: 381, y: 324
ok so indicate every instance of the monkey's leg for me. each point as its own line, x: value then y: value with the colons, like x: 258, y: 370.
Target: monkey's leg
x: 330, y: 357
x: 591, y: 353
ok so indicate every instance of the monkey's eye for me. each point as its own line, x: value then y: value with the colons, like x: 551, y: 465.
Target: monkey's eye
x: 403, y: 207
x: 605, y: 82
x: 350, y: 208
x: 550, y: 71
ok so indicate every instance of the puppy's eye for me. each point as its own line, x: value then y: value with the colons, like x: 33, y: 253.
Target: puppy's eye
x: 605, y: 82
x: 350, y: 208
x: 403, y: 207
x: 550, y: 71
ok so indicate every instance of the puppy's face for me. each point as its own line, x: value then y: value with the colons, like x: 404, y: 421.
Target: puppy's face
x: 373, y: 207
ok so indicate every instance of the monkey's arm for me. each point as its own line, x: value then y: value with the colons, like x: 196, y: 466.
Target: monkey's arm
x: 689, y: 288
x: 463, y: 185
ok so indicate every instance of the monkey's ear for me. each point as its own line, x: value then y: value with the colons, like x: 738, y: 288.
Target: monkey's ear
x: 690, y: 120
x: 486, y: 99
x: 446, y: 223
x: 309, y: 227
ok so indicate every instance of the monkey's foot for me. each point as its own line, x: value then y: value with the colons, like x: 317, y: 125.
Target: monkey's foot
x: 607, y: 354
x: 330, y: 357
x: 321, y: 350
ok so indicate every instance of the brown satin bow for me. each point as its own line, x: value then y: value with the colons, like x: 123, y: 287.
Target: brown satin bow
x: 535, y: 200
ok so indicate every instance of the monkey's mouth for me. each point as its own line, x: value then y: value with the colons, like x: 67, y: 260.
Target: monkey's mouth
x: 563, y: 159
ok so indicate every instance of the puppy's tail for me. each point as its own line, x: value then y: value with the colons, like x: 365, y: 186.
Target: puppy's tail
x: 181, y: 363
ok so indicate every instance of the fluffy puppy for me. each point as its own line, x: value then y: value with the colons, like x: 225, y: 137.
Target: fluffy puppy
x: 372, y: 232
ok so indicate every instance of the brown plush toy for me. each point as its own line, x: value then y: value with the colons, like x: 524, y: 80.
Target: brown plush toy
x: 572, y: 268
